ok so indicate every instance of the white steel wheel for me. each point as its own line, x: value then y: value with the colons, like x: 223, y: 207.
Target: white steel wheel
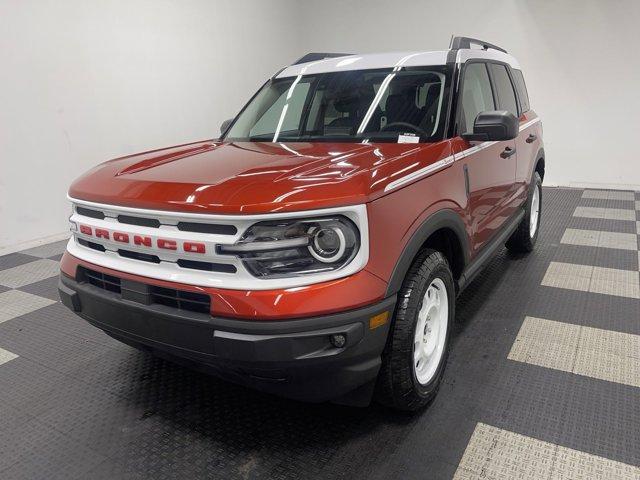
x: 415, y: 355
x: 535, y: 211
x: 431, y: 332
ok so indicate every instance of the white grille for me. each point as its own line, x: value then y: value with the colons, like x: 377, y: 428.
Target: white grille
x: 223, y: 274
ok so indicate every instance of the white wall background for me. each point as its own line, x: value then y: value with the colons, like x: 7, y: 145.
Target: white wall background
x: 82, y: 82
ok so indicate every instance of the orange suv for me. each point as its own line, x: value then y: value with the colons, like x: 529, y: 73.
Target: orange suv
x: 316, y: 248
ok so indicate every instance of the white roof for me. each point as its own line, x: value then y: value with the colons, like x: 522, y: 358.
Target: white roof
x: 371, y: 61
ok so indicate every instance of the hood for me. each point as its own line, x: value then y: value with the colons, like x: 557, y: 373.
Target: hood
x: 251, y: 177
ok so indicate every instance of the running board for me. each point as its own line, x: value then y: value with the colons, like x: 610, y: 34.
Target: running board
x: 487, y: 252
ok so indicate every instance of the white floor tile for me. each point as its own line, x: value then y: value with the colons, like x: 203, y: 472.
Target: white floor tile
x: 546, y: 343
x: 597, y: 238
x: 608, y: 281
x: 622, y: 241
x: 6, y: 356
x: 591, y: 352
x: 494, y: 453
x: 605, y: 213
x: 15, y: 303
x: 29, y: 273
x: 609, y: 195
x: 587, y: 238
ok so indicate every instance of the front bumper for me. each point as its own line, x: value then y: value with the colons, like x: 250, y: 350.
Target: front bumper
x: 292, y: 358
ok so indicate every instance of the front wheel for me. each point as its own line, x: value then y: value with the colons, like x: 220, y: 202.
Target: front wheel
x: 525, y: 236
x: 416, y: 353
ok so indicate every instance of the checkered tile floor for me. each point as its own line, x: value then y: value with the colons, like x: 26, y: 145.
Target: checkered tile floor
x: 543, y: 381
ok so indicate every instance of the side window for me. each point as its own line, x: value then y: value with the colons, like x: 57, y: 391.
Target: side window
x: 522, y: 90
x: 504, y: 88
x: 476, y: 95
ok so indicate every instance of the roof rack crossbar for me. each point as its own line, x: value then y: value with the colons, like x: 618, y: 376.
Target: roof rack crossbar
x: 312, y: 57
x: 458, y: 43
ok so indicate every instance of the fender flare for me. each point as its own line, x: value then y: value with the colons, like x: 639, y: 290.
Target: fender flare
x: 445, y: 218
x: 539, y: 155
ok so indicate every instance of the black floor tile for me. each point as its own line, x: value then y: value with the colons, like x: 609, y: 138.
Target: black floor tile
x: 584, y: 223
x: 36, y: 451
x: 583, y: 308
x: 15, y: 259
x: 47, y: 288
x: 598, y: 257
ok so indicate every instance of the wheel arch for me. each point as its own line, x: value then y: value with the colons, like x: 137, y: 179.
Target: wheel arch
x: 443, y: 231
x: 539, y: 164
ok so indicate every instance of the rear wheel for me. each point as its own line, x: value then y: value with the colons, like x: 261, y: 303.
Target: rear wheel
x: 525, y: 236
x: 416, y: 354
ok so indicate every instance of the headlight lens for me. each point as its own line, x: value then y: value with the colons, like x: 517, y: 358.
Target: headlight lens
x: 287, y: 248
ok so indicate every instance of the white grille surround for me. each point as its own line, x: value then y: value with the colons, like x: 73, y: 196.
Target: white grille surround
x: 168, y: 268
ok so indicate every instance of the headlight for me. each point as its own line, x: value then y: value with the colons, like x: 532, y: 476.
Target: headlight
x: 287, y: 248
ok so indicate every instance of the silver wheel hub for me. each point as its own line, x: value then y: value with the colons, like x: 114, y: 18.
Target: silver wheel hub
x: 535, y: 211
x: 431, y: 332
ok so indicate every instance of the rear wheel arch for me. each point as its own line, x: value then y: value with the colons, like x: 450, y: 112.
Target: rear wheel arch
x: 539, y: 165
x: 443, y: 231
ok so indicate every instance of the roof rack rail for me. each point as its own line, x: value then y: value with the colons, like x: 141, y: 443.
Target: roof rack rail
x: 458, y: 43
x: 312, y: 57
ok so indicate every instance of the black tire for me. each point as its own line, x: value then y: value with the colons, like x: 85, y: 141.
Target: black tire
x: 521, y: 240
x: 398, y: 386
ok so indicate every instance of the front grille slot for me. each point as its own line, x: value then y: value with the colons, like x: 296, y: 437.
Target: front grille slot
x: 194, y: 302
x: 208, y: 266
x: 169, y: 297
x: 216, y: 229
x: 141, y: 221
x: 145, y: 257
x: 99, y: 279
x: 92, y: 245
x: 88, y: 212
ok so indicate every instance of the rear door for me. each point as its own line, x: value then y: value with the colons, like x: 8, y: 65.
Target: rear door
x: 490, y: 173
x: 505, y: 92
x: 528, y: 142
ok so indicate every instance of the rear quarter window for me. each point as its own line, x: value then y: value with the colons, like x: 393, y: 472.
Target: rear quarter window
x: 522, y: 90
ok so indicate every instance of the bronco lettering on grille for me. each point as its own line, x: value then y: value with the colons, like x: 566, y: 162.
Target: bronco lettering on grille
x: 143, y: 241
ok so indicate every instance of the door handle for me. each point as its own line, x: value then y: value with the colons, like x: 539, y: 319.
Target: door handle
x: 531, y: 138
x: 507, y: 152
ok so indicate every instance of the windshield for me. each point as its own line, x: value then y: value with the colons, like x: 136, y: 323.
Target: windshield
x: 405, y: 106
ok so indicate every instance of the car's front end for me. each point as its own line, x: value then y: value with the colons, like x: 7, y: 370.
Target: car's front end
x: 277, y: 301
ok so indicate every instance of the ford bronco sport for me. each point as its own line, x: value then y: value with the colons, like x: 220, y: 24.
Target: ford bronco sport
x: 316, y: 249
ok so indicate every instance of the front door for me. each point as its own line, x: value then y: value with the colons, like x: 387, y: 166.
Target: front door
x: 490, y: 167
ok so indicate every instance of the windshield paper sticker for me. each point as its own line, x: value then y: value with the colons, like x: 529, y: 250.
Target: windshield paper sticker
x: 408, y: 138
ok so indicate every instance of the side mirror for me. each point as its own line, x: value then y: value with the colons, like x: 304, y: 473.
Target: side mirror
x: 494, y: 126
x: 225, y: 125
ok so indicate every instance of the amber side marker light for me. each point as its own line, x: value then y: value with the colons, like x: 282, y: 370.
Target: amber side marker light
x: 378, y: 320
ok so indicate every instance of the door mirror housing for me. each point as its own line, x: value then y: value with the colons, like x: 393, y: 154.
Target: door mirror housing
x: 494, y: 126
x: 225, y: 125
